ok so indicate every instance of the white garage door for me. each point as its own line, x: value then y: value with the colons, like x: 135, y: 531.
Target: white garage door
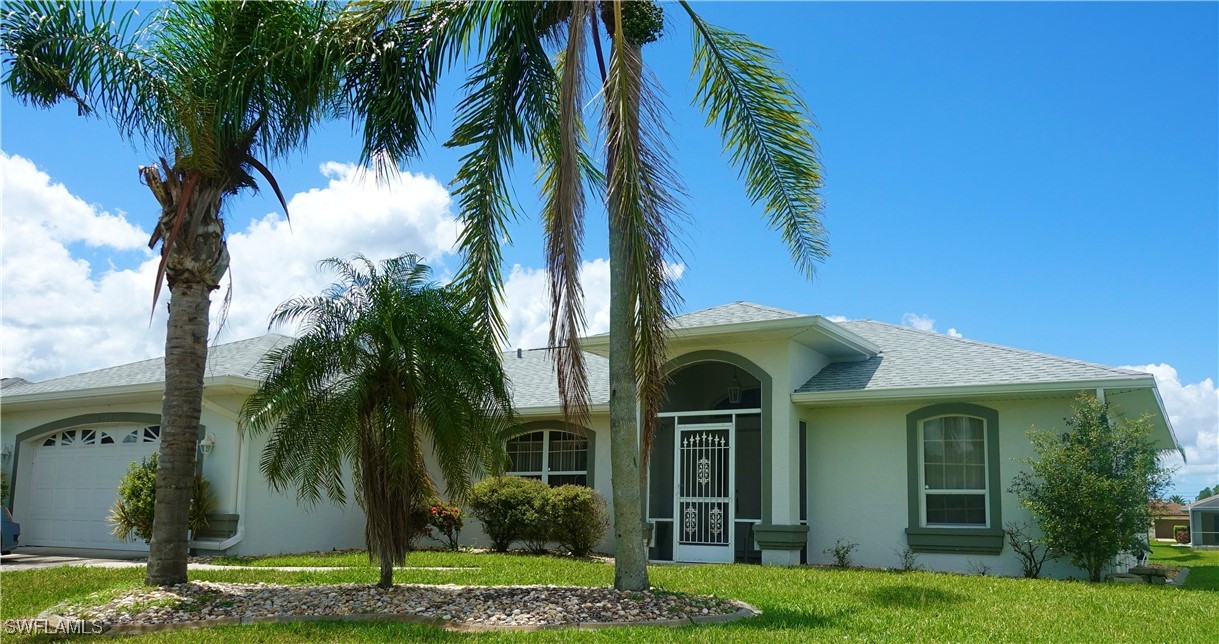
x: 75, y: 482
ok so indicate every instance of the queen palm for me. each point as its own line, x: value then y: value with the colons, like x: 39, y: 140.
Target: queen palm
x: 517, y: 100
x: 214, y: 86
x: 385, y: 359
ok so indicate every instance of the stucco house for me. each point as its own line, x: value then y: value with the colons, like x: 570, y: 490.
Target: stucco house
x: 1165, y: 517
x: 782, y: 434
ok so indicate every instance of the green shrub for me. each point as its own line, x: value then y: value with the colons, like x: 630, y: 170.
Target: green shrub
x: 133, y: 510
x: 841, y: 552
x: 1178, y: 528
x: 537, y: 527
x: 578, y: 518
x: 506, y: 506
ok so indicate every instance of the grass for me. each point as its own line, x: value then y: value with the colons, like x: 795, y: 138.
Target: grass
x: 798, y: 604
x: 1203, y: 564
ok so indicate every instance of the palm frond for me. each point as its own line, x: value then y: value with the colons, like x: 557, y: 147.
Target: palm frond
x: 506, y: 103
x: 562, y: 186
x: 765, y: 126
x: 643, y: 197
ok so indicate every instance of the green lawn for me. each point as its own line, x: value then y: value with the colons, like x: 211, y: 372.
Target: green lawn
x: 797, y: 603
x: 1203, y: 564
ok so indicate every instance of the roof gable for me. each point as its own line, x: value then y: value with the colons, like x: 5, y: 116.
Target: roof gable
x: 734, y: 313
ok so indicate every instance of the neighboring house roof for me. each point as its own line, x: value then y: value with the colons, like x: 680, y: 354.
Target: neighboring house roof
x: 11, y: 382
x: 534, y: 384
x: 1167, y: 510
x: 235, y: 359
x: 912, y: 358
x: 1208, y: 503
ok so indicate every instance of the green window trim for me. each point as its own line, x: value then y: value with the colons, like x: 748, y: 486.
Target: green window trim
x: 963, y: 540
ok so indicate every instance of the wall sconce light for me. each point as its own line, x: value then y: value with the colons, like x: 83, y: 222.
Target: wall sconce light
x: 734, y: 389
x: 6, y: 453
x: 207, y: 444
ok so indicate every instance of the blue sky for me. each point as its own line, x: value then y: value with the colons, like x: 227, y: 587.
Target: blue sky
x: 1044, y: 176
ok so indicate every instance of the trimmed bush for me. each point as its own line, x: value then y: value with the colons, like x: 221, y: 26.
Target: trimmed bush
x: 506, y: 506
x: 132, y: 515
x: 578, y: 516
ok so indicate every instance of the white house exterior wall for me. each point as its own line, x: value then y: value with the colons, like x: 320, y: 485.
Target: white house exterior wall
x: 857, y: 483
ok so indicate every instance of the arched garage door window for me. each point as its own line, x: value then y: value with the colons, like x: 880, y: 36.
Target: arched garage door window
x: 70, y: 437
x: 553, y: 456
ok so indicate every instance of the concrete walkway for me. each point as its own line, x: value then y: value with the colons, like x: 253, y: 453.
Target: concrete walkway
x: 33, y: 558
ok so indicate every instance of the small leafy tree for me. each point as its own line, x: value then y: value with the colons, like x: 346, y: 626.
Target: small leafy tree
x: 132, y: 513
x: 1090, y: 487
x: 1207, y: 492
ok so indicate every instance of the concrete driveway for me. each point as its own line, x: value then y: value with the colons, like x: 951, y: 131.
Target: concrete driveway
x: 32, y: 558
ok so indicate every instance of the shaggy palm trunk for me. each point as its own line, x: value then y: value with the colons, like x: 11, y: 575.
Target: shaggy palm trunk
x: 196, y: 262
x: 630, y: 554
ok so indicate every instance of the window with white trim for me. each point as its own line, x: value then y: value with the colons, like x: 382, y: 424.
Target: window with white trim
x: 953, y: 472
x: 553, y: 456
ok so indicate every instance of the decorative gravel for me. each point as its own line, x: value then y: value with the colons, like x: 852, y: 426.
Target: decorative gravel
x: 459, y: 606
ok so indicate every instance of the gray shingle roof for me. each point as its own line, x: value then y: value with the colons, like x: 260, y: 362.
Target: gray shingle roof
x: 913, y: 358
x: 534, y: 383
x: 231, y: 359
x: 734, y: 313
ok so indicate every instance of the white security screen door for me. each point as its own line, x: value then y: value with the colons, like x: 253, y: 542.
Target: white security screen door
x: 703, y: 479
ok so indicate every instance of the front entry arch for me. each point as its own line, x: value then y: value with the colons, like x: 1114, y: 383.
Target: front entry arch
x: 706, y: 483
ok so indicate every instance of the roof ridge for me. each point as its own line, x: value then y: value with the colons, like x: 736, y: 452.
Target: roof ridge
x: 991, y: 345
x: 773, y: 309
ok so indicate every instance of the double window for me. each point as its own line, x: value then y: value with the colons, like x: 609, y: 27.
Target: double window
x: 954, y: 471
x: 553, y: 456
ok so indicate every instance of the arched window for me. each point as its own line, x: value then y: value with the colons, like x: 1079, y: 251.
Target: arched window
x: 953, y: 481
x: 553, y: 456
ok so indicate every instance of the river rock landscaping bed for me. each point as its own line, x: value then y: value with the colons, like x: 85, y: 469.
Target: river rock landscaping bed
x: 203, y: 603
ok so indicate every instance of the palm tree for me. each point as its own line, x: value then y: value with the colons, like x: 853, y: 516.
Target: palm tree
x: 517, y: 100
x: 384, y: 359
x: 212, y: 86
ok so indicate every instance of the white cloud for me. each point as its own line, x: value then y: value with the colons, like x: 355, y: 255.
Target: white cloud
x: 527, y: 303
x: 272, y: 261
x: 837, y: 318
x: 61, y: 316
x: 925, y: 323
x: 1193, y: 409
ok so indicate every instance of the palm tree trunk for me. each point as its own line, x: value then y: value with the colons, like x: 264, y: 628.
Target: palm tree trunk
x: 196, y: 259
x: 185, y: 358
x: 630, y: 555
x: 387, y: 571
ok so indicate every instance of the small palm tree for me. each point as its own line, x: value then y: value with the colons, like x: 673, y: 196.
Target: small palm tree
x: 384, y: 361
